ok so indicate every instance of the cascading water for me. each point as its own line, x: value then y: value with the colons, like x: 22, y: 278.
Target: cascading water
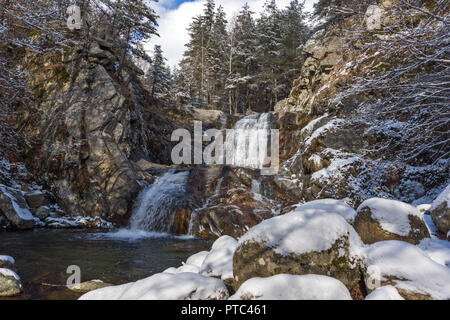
x: 249, y: 141
x: 156, y: 205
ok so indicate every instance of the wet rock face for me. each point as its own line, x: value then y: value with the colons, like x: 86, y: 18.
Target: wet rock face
x: 91, y: 126
x: 234, y: 200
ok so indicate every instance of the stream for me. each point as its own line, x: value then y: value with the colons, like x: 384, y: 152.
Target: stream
x: 43, y: 256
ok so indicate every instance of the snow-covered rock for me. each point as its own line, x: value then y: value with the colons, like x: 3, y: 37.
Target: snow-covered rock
x: 292, y: 287
x: 385, y: 293
x: 88, y: 286
x: 197, y: 259
x: 164, y: 286
x: 10, y: 284
x: 382, y: 219
x: 440, y: 211
x: 7, y: 262
x: 15, y: 209
x: 305, y: 241
x: 219, y: 261
x: 331, y: 205
x: 414, y: 274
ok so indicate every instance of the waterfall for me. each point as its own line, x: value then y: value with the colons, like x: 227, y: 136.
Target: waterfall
x: 249, y: 141
x: 156, y: 205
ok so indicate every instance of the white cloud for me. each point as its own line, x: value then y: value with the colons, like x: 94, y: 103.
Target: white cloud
x: 173, y: 22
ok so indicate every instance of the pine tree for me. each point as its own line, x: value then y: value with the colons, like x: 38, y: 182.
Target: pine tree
x: 269, y: 53
x: 242, y: 61
x: 294, y: 35
x: 132, y: 21
x: 159, y: 74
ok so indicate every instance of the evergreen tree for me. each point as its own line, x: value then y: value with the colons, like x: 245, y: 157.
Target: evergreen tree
x: 269, y: 54
x: 159, y: 74
x: 243, y: 61
x: 294, y: 34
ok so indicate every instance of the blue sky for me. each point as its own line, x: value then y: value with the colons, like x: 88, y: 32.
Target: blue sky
x: 175, y: 16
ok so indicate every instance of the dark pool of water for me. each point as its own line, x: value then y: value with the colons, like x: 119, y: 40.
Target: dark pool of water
x: 43, y: 256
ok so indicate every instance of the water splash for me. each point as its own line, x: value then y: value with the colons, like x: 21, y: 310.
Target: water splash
x: 157, y: 204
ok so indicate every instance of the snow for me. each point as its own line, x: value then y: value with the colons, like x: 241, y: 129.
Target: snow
x: 197, y: 259
x: 330, y: 205
x: 308, y: 129
x: 385, y: 293
x: 438, y: 250
x: 320, y: 131
x: 188, y: 268
x: 219, y: 261
x: 338, y: 163
x: 23, y: 213
x: 409, y: 268
x: 292, y: 287
x: 444, y: 196
x: 164, y: 286
x: 9, y: 273
x: 391, y: 214
x: 309, y: 228
x: 7, y: 259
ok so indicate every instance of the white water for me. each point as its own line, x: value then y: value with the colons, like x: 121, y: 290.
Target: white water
x: 247, y: 147
x: 156, y: 205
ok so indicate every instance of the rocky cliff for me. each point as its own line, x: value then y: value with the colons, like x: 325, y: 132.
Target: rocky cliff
x: 347, y: 144
x: 90, y: 129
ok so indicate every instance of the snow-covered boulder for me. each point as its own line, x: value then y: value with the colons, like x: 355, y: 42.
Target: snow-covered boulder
x: 219, y: 261
x: 305, y: 241
x: 10, y: 284
x: 331, y: 205
x: 292, y: 287
x: 7, y: 262
x: 385, y: 293
x: 164, y: 286
x: 197, y: 259
x: 15, y: 209
x: 409, y: 269
x: 440, y: 211
x: 382, y: 219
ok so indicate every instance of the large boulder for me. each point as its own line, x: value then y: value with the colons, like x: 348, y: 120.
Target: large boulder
x: 305, y: 241
x: 10, y: 284
x: 292, y: 287
x: 440, y: 211
x: 165, y: 286
x: 409, y: 269
x: 14, y: 209
x: 219, y: 261
x: 382, y: 219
